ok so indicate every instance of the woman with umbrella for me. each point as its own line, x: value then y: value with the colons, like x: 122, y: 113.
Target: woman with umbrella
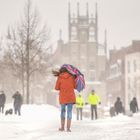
x: 66, y: 83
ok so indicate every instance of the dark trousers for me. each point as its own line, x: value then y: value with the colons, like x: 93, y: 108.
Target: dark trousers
x: 94, y: 112
x: 2, y: 108
x: 79, y: 113
x: 17, y: 110
x: 118, y: 111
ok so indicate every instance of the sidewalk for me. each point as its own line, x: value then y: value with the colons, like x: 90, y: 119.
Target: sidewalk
x: 117, y: 128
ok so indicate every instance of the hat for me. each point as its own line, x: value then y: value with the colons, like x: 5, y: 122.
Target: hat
x: 118, y: 98
x: 92, y: 90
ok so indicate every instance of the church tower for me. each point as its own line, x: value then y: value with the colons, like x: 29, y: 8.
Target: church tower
x: 83, y: 41
x: 83, y: 49
x: 83, y: 28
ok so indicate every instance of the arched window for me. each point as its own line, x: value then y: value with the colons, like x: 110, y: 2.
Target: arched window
x: 91, y: 34
x: 74, y: 33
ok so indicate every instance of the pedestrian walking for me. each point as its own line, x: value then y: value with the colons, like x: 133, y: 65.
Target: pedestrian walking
x: 79, y: 106
x: 94, y: 100
x: 17, y: 102
x: 66, y: 85
x: 118, y: 106
x: 2, y: 101
x: 134, y: 105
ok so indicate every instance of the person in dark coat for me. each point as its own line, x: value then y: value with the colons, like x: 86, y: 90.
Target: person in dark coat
x: 112, y: 111
x: 2, y: 101
x: 134, y: 105
x: 17, y: 103
x: 118, y: 106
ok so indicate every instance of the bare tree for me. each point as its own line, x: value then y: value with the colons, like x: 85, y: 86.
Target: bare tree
x: 26, y: 43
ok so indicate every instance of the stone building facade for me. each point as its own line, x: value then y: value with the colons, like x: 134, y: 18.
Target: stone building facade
x: 132, y: 74
x: 83, y: 49
x: 123, y: 74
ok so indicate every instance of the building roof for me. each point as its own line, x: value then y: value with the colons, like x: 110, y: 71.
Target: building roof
x: 120, y: 54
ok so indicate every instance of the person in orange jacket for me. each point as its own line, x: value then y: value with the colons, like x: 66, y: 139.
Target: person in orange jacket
x: 65, y: 84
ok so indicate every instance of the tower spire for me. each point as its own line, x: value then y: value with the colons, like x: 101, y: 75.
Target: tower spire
x: 96, y: 23
x: 78, y: 9
x: 87, y: 10
x: 69, y: 11
x: 96, y: 12
x: 105, y: 42
x: 60, y: 34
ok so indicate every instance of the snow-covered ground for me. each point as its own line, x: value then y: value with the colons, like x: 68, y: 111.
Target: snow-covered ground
x: 41, y: 122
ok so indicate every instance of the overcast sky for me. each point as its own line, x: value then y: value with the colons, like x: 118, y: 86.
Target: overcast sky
x: 121, y: 18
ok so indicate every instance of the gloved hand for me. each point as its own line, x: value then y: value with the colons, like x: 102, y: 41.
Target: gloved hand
x: 99, y: 103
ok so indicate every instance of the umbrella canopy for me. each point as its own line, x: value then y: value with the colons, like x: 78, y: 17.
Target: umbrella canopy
x: 80, y: 82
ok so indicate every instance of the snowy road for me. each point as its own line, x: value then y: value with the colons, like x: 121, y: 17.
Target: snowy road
x: 45, y: 127
x: 118, y: 128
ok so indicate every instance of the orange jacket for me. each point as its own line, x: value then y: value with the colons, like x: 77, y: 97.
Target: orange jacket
x: 66, y: 85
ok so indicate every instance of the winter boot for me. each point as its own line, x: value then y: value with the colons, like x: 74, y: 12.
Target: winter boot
x: 68, y: 125
x: 62, y: 125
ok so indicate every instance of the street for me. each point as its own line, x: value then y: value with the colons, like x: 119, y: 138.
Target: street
x: 41, y: 122
x: 118, y: 128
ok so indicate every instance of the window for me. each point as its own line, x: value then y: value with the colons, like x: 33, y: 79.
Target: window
x: 129, y: 83
x: 128, y: 66
x: 135, y: 83
x: 74, y: 33
x: 83, y: 36
x: 91, y: 34
x: 135, y: 65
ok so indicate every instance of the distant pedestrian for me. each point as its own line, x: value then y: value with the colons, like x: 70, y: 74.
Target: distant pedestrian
x: 79, y: 106
x: 134, y: 105
x: 112, y: 111
x: 94, y: 100
x: 66, y: 85
x: 2, y: 101
x: 118, y: 106
x: 17, y: 102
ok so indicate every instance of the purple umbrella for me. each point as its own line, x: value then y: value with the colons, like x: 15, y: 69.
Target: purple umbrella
x: 80, y: 82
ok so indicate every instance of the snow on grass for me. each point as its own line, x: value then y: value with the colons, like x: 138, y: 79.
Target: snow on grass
x: 32, y: 113
x: 33, y: 118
